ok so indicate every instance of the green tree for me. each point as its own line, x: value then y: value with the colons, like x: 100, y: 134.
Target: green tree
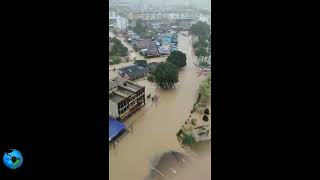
x: 151, y: 78
x: 149, y: 34
x: 139, y: 28
x: 115, y: 59
x: 118, y: 49
x: 187, y: 139
x: 166, y: 75
x: 177, y: 58
x: 205, y: 90
x: 200, y: 29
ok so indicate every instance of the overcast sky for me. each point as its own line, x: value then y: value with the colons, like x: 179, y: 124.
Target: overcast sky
x: 198, y: 3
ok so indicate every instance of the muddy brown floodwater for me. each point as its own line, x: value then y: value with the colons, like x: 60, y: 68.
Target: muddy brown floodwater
x: 155, y: 127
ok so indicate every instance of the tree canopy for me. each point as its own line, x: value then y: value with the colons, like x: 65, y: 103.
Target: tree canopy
x: 200, y: 29
x: 139, y: 28
x: 205, y: 90
x: 202, y: 47
x: 115, y: 60
x: 118, y: 49
x: 177, y: 58
x: 166, y: 75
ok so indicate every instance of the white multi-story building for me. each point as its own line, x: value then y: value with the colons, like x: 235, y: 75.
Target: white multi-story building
x: 122, y: 23
x: 205, y: 18
x: 119, y: 22
x: 112, y: 13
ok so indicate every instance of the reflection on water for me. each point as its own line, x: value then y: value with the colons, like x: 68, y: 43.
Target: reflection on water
x: 168, y: 165
x: 155, y: 128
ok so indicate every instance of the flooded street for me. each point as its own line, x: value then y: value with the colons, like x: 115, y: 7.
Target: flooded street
x: 133, y: 55
x: 155, y: 126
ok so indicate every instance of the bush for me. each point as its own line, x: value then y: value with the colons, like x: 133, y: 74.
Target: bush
x: 115, y: 60
x: 199, y: 109
x: 205, y: 90
x: 206, y: 111
x: 118, y: 48
x: 205, y: 118
x: 192, y: 111
x: 151, y: 78
x: 187, y: 139
x: 204, y: 64
x: 194, y: 105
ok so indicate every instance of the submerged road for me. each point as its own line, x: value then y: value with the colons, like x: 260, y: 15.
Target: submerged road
x: 155, y: 128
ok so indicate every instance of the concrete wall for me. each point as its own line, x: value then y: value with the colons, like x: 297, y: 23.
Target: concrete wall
x: 113, y: 109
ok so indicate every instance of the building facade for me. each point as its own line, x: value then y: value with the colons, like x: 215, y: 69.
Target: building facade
x: 118, y: 22
x: 125, y: 98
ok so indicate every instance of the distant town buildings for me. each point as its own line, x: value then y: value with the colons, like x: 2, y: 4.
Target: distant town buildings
x: 205, y: 18
x: 158, y: 15
x: 117, y: 21
x: 131, y: 12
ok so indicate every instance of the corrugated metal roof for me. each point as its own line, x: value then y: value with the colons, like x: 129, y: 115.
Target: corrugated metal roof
x: 115, y: 128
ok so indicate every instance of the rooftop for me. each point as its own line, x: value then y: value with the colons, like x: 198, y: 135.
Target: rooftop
x: 132, y: 85
x: 126, y: 83
x: 112, y: 84
x: 114, y: 97
x: 134, y: 70
x: 125, y: 91
x: 115, y: 128
x: 145, y: 43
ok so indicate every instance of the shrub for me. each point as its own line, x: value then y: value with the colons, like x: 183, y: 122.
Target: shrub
x: 206, y: 111
x: 187, y: 139
x: 204, y: 64
x: 205, y: 118
x: 205, y: 90
x: 195, y: 107
x: 151, y: 78
x: 199, y: 109
x: 116, y: 59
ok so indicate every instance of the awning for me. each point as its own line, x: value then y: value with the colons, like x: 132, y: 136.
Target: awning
x: 115, y: 128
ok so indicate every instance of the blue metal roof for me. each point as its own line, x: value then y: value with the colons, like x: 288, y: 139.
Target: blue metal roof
x: 115, y: 128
